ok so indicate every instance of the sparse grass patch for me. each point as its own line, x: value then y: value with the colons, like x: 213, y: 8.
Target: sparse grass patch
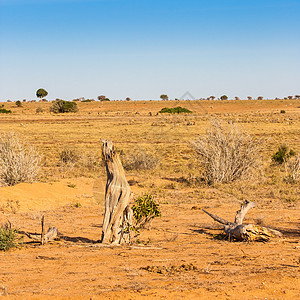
x: 68, y: 155
x: 139, y: 160
x: 293, y: 170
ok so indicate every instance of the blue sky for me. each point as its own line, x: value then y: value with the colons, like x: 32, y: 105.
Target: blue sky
x: 143, y: 48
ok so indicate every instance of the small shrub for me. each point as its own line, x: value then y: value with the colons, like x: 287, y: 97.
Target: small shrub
x: 19, y: 161
x: 5, y: 111
x: 293, y: 170
x: 175, y: 110
x: 282, y: 155
x: 282, y: 111
x: 62, y: 106
x: 226, y: 154
x: 139, y: 160
x: 18, y: 103
x: 39, y: 110
x: 71, y: 185
x: 144, y: 210
x: 88, y: 100
x: 68, y: 155
x: 76, y: 204
x: 224, y: 97
x: 9, y: 238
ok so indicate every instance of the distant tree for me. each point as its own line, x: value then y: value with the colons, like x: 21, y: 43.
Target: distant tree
x: 260, y: 98
x: 290, y: 97
x: 236, y: 98
x: 24, y: 100
x: 41, y: 93
x: 297, y: 96
x: 224, y: 97
x: 62, y: 106
x: 19, y: 103
x: 249, y: 98
x: 128, y: 99
x: 212, y: 97
x: 164, y: 97
x: 101, y: 98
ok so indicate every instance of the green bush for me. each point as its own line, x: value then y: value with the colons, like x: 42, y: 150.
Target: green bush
x: 5, y: 111
x: 175, y: 110
x: 144, y: 210
x: 62, y: 106
x: 283, y: 154
x: 282, y: 111
x: 8, y: 238
x: 88, y: 100
x: 19, y: 103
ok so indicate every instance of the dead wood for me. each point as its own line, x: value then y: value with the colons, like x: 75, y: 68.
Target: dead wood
x: 117, y: 196
x: 43, y: 238
x: 245, y: 232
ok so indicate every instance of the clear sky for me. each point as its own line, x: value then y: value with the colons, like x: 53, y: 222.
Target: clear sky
x: 143, y: 48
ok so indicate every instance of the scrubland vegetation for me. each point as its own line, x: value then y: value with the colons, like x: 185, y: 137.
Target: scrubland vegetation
x: 215, y: 154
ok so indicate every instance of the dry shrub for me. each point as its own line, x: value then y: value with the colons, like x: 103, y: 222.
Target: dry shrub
x: 226, y: 153
x: 293, y: 169
x: 68, y: 156
x: 19, y: 161
x: 139, y: 160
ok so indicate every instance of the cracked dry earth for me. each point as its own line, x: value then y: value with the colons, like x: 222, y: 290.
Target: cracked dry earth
x: 178, y: 258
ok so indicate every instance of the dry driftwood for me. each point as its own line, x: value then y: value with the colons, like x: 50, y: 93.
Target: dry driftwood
x: 245, y: 232
x: 117, y: 197
x: 44, y: 238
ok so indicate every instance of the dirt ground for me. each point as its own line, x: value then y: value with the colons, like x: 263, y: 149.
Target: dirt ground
x: 180, y: 256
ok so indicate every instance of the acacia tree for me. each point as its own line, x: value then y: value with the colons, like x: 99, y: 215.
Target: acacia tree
x: 41, y: 93
x: 164, y: 97
x: 224, y: 97
x: 101, y: 97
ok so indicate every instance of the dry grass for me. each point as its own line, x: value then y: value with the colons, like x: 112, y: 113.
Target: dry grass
x: 293, y: 169
x: 226, y: 153
x: 19, y: 161
x: 171, y: 142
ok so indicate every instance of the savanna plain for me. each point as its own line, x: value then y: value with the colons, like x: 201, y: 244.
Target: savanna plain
x: 181, y: 255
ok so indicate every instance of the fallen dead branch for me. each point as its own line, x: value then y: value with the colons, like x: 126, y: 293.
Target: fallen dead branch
x: 43, y: 238
x: 245, y: 232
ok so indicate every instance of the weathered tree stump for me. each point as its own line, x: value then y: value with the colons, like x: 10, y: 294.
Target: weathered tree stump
x: 117, y: 197
x: 245, y: 232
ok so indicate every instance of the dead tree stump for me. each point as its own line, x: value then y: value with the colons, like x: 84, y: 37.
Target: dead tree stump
x: 245, y: 232
x: 117, y: 196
